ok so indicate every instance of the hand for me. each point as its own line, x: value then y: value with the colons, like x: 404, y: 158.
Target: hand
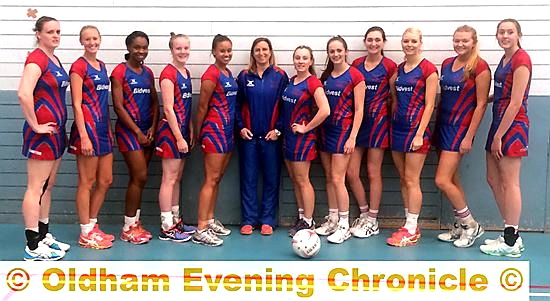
x: 246, y: 134
x: 151, y: 134
x: 496, y: 148
x: 465, y: 146
x: 182, y: 145
x: 191, y: 139
x: 86, y: 147
x: 417, y: 143
x: 46, y: 128
x: 142, y: 139
x: 349, y: 147
x: 299, y: 128
x: 271, y: 136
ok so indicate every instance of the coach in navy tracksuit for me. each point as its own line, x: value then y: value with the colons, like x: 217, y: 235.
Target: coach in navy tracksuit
x: 260, y: 89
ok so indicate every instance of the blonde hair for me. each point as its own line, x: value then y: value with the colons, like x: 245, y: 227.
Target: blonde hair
x: 471, y: 63
x: 174, y: 36
x: 413, y: 30
x: 88, y: 27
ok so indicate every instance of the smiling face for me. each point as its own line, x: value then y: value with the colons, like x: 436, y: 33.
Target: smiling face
x: 337, y: 52
x: 138, y: 49
x: 49, y: 36
x: 411, y: 43
x: 223, y: 52
x: 181, y: 48
x: 262, y: 54
x: 508, y: 35
x: 302, y: 60
x: 374, y: 42
x: 464, y: 43
x: 90, y: 39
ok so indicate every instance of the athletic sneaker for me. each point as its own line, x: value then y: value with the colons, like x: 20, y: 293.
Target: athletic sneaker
x: 94, y: 240
x: 357, y: 224
x: 219, y: 228
x: 340, y: 235
x: 174, y: 234
x: 301, y: 225
x: 500, y: 239
x: 402, y: 238
x: 367, y: 229
x: 469, y: 236
x: 328, y: 227
x: 247, y: 230
x: 182, y: 227
x: 292, y: 229
x: 501, y: 249
x: 141, y: 229
x: 105, y: 236
x: 53, y: 243
x: 453, y: 234
x: 42, y: 253
x: 134, y: 235
x: 207, y: 237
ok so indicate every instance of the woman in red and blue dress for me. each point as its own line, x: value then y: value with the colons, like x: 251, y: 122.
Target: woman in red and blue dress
x: 91, y: 138
x: 174, y: 138
x: 259, y: 126
x: 373, y: 136
x: 42, y: 98
x: 136, y: 104
x: 465, y: 81
x: 508, y: 137
x: 305, y: 107
x: 215, y: 119
x: 345, y: 91
x: 414, y: 98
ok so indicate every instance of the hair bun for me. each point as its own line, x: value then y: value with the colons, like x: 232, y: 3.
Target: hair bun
x: 172, y: 34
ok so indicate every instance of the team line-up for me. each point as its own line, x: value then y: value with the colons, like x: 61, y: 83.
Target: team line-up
x: 350, y: 111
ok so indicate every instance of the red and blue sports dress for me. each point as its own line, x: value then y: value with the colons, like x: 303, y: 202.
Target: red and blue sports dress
x: 299, y: 107
x: 516, y: 139
x: 411, y: 93
x: 374, y: 130
x: 49, y: 106
x: 166, y: 145
x: 336, y: 129
x: 216, y: 133
x: 137, y: 101
x: 95, y: 108
x: 457, y: 105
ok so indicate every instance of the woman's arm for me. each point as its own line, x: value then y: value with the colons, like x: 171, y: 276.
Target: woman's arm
x: 322, y: 113
x: 359, y: 103
x: 86, y: 146
x: 30, y: 77
x: 123, y: 116
x: 483, y: 83
x: 207, y: 88
x: 167, y: 93
x: 429, y: 103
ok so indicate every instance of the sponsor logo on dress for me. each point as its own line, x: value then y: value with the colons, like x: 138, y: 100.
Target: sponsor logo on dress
x: 227, y: 84
x: 372, y: 87
x: 404, y: 88
x: 141, y: 91
x: 96, y: 77
x: 288, y: 99
x: 231, y: 93
x: 133, y: 81
x: 102, y: 87
x: 333, y: 93
x: 183, y: 86
x: 58, y: 74
x: 250, y: 83
x: 450, y: 88
x: 498, y: 84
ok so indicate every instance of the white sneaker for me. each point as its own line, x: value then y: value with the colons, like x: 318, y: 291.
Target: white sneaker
x: 207, y: 237
x: 501, y: 249
x: 53, y: 243
x: 500, y: 239
x: 368, y: 229
x: 328, y: 227
x: 340, y: 235
x: 453, y: 234
x: 219, y: 228
x: 469, y: 236
x: 357, y: 224
x: 42, y: 253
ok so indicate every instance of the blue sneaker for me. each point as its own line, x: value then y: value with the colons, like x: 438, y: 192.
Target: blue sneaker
x: 185, y: 228
x: 174, y: 234
x: 42, y: 253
